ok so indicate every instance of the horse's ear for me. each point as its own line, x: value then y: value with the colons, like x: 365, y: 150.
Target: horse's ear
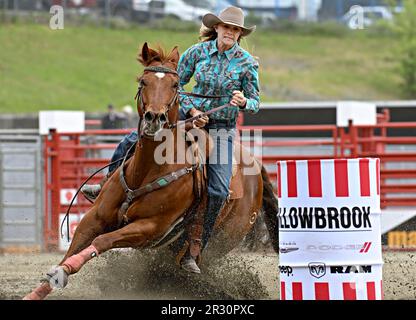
x: 148, y: 55
x: 145, y: 56
x: 174, y: 56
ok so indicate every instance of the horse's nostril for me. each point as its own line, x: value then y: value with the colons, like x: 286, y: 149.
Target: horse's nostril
x: 149, y: 116
x: 163, y: 118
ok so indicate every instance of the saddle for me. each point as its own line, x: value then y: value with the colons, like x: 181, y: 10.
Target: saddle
x: 236, y: 190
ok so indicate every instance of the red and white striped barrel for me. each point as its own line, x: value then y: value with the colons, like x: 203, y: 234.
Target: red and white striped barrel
x: 329, y: 229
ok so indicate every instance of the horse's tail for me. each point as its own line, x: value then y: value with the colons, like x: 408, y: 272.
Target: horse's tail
x: 270, y: 208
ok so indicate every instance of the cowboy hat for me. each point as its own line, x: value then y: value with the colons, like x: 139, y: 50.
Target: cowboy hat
x: 231, y: 15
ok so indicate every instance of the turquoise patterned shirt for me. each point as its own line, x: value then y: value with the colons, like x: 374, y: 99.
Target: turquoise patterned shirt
x: 219, y: 74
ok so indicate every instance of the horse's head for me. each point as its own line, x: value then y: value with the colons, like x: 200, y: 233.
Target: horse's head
x: 157, y: 97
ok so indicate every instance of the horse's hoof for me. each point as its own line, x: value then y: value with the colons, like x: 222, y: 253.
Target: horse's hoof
x: 57, y: 277
x: 189, y: 264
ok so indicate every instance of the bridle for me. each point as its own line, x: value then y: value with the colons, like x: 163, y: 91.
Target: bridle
x: 174, y: 100
x: 139, y: 97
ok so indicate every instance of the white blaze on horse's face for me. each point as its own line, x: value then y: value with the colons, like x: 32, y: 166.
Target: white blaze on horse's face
x: 160, y: 75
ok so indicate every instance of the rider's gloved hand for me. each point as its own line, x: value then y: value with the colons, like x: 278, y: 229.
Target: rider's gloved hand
x: 200, y: 122
x: 238, y: 99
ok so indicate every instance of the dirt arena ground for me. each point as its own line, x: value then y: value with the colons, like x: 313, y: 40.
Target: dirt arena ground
x: 135, y: 275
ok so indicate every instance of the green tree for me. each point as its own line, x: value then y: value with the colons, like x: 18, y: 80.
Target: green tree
x: 405, y: 28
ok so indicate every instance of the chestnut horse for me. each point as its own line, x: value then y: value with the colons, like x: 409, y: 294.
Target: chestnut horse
x: 143, y: 203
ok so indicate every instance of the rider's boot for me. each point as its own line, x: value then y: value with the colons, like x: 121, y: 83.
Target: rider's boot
x: 188, y: 262
x: 214, y: 206
x: 194, y: 231
x: 91, y: 191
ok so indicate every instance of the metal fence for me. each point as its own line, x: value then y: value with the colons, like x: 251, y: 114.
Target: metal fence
x: 21, y: 209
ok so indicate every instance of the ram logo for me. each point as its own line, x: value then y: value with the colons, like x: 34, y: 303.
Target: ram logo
x: 317, y: 269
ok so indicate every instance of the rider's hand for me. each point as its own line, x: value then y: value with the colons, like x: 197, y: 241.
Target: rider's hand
x: 200, y: 122
x: 238, y: 99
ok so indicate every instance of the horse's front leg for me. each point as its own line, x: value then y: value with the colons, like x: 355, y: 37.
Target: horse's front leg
x: 80, y: 249
x: 135, y: 234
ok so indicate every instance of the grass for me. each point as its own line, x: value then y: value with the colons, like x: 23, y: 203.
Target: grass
x: 87, y: 67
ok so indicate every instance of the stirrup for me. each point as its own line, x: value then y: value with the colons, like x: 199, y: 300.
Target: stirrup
x: 189, y: 264
x: 91, y: 191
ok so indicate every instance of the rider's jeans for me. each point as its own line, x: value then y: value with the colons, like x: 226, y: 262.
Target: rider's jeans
x: 219, y: 171
x: 219, y: 167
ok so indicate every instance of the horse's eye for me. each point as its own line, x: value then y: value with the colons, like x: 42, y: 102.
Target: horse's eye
x: 175, y: 85
x: 142, y: 83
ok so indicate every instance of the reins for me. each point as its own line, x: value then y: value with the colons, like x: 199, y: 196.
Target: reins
x: 197, y: 95
x: 206, y: 113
